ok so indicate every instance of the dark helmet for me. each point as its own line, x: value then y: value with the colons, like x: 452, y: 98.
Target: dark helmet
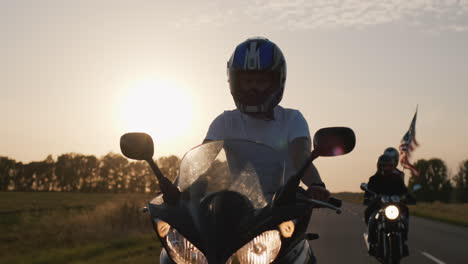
x: 385, y: 161
x: 393, y: 153
x: 257, y: 60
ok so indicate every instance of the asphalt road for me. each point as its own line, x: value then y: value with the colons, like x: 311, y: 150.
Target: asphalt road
x: 341, y: 239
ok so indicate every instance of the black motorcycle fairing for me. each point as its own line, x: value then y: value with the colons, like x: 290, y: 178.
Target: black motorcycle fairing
x: 226, y: 187
x: 217, y: 236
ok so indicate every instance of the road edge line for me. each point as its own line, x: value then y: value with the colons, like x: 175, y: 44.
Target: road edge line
x: 365, y: 240
x: 429, y: 256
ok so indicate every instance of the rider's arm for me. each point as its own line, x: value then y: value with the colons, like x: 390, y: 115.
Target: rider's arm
x: 300, y: 149
x: 371, y: 186
x: 402, y: 187
x: 216, y: 130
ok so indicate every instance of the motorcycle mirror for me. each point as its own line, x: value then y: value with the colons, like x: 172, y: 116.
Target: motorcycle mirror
x: 137, y: 146
x: 334, y: 141
x: 416, y: 187
x: 364, y: 186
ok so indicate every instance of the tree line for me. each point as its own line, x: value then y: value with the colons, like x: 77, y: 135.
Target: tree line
x: 73, y: 172
x: 437, y: 183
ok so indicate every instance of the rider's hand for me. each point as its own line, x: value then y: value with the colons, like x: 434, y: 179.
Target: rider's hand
x: 318, y: 193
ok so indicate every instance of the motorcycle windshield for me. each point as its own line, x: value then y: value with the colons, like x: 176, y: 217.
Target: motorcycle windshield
x: 251, y: 169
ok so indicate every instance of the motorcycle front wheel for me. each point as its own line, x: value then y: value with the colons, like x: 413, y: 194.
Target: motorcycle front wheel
x: 394, y: 250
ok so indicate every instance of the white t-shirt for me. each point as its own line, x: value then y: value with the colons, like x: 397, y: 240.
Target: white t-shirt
x: 278, y: 133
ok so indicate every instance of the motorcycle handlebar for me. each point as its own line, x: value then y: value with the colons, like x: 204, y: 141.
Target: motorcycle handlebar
x: 333, y: 203
x: 404, y: 198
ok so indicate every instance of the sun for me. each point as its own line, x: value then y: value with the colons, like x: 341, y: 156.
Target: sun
x: 159, y: 108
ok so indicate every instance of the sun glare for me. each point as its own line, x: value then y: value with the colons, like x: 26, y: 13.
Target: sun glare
x: 159, y: 108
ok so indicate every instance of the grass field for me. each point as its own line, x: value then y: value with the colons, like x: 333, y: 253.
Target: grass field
x: 449, y: 213
x: 75, y: 228
x: 109, y: 228
x: 452, y: 213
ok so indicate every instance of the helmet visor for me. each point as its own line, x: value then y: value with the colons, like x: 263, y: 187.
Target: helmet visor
x: 253, y: 87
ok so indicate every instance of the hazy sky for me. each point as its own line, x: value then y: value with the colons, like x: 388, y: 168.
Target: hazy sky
x: 75, y: 75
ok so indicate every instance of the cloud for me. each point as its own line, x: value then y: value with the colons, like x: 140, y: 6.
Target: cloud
x: 443, y: 14
x: 439, y: 15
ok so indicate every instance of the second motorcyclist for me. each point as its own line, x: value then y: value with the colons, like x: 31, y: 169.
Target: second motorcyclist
x: 386, y: 181
x: 395, y: 156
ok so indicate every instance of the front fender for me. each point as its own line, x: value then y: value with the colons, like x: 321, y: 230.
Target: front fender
x: 301, y: 254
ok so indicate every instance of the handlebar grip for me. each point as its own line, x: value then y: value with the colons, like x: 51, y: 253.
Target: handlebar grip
x: 335, y: 202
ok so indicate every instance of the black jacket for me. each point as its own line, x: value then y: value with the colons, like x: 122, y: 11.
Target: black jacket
x: 388, y: 184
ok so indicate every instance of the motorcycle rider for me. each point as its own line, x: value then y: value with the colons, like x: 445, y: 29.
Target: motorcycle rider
x: 257, y: 75
x: 386, y: 181
x: 393, y: 153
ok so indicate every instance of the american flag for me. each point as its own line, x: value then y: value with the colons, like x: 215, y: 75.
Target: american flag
x: 408, y: 144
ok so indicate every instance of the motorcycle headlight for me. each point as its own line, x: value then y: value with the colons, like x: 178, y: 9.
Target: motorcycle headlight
x: 392, y: 212
x: 263, y: 249
x: 181, y: 250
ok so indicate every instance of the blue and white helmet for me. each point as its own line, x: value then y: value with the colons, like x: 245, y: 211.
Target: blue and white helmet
x: 257, y: 55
